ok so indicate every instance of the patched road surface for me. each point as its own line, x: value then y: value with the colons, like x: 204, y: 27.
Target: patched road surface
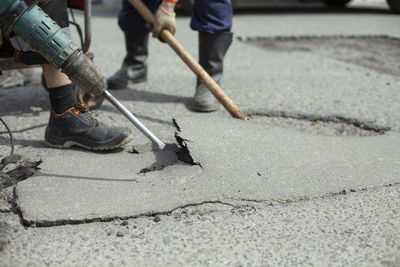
x: 312, y: 177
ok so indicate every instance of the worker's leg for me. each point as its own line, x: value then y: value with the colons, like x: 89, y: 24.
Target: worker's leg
x: 70, y: 123
x: 60, y: 88
x: 213, y: 20
x: 136, y: 36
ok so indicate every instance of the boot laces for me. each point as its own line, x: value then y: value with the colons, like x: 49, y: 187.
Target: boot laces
x: 79, y: 108
x: 83, y: 111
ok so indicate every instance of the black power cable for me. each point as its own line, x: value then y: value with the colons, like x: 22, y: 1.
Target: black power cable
x: 78, y: 28
x: 8, y: 160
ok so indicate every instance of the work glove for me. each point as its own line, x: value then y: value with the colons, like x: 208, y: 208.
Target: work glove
x: 164, y: 20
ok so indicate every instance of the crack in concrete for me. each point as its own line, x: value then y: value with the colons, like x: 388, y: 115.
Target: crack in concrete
x: 184, y: 154
x: 44, y: 223
x: 226, y: 201
x: 176, y: 125
x: 15, y: 208
x: 307, y: 198
x: 379, y: 130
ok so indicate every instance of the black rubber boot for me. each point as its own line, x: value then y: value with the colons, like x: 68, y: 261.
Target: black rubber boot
x: 212, y: 49
x: 134, y: 67
x: 77, y: 127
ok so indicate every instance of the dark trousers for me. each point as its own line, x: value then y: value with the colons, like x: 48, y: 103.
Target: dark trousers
x: 57, y: 10
x: 212, y: 16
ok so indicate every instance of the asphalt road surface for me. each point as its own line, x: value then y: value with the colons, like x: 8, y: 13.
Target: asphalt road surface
x: 313, y: 178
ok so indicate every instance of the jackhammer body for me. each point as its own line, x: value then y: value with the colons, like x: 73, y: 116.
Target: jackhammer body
x: 44, y: 35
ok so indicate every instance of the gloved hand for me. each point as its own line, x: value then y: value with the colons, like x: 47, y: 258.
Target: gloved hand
x: 164, y: 20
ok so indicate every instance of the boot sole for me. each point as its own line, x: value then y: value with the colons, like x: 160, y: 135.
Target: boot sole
x: 139, y: 80
x: 206, y: 108
x: 112, y: 86
x: 68, y: 144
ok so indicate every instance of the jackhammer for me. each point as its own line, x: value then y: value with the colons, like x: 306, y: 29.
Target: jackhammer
x: 36, y: 28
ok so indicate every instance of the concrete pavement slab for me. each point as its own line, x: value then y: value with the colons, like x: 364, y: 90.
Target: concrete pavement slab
x: 237, y: 161
x: 352, y: 229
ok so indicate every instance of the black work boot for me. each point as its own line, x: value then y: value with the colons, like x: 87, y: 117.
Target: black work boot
x: 212, y: 49
x: 77, y: 127
x: 133, y: 67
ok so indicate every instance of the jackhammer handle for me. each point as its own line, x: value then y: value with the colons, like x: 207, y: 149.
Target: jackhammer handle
x: 201, y: 74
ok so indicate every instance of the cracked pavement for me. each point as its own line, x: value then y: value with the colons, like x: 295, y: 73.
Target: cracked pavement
x: 312, y: 178
x: 249, y: 161
x: 350, y: 229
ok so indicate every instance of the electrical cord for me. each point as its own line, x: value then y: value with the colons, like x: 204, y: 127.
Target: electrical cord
x: 8, y: 160
x: 78, y: 28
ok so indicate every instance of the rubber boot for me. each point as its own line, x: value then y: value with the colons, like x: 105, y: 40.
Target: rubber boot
x: 212, y: 49
x: 134, y: 67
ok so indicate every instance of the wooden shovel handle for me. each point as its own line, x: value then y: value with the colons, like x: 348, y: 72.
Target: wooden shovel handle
x: 201, y: 74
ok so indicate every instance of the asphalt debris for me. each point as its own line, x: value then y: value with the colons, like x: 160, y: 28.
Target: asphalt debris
x: 19, y: 169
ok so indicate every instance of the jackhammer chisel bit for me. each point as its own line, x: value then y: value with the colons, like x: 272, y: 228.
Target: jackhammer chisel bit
x: 134, y: 120
x: 44, y: 35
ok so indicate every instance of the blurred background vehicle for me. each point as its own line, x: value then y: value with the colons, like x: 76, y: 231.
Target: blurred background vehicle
x: 187, y: 5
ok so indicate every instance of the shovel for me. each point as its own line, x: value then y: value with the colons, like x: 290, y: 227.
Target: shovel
x: 201, y: 74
